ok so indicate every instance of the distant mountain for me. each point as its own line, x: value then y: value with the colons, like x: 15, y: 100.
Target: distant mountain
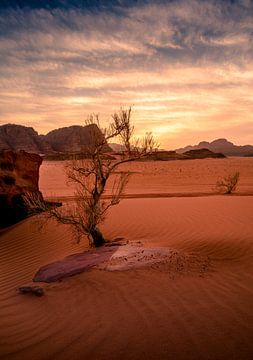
x: 220, y: 146
x: 18, y: 137
x: 117, y: 147
x: 78, y: 138
x: 68, y: 139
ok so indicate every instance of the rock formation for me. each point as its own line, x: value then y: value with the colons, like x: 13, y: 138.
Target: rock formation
x: 65, y: 140
x: 164, y: 155
x: 19, y: 173
x: 74, y: 138
x: 18, y: 137
x: 202, y: 154
x: 73, y: 264
x: 220, y: 146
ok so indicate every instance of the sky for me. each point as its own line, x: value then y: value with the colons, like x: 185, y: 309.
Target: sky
x: 185, y: 67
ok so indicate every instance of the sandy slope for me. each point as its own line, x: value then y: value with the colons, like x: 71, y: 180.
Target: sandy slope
x: 136, y: 314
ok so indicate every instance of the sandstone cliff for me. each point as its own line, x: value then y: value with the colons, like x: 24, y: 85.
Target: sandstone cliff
x: 19, y: 173
x: 18, y: 137
x: 74, y: 138
x: 70, y: 139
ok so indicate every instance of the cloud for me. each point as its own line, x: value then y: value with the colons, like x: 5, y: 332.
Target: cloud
x: 183, y: 62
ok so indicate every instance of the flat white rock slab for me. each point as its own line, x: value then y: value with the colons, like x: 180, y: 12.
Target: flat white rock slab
x: 133, y: 256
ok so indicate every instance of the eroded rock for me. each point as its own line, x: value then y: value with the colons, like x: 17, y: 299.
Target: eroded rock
x: 18, y: 137
x: 75, y: 138
x: 73, y: 264
x: 125, y: 257
x: 19, y: 174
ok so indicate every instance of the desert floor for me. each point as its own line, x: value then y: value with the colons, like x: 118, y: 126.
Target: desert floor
x: 151, y: 313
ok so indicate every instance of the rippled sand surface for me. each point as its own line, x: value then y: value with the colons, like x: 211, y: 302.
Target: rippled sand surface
x: 188, y: 177
x: 136, y: 314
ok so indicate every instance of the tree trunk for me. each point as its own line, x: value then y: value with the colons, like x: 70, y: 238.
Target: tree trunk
x: 97, y: 238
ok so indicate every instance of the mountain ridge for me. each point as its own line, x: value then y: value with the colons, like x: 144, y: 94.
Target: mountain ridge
x: 220, y: 145
x: 76, y: 138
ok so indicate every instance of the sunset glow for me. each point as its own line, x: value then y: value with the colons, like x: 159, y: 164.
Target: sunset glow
x: 184, y: 66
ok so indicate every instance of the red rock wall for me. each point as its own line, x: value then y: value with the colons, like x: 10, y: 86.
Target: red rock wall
x: 19, y: 173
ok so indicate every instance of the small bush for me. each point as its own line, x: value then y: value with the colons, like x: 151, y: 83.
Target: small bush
x: 228, y: 184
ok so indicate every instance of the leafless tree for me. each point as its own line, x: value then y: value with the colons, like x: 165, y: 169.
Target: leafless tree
x: 228, y: 184
x: 90, y: 176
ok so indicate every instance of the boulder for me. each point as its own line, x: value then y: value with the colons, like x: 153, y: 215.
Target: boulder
x: 19, y: 174
x: 74, y: 264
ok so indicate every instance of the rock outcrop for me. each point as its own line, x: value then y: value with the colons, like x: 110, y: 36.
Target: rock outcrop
x: 126, y: 257
x: 19, y: 174
x: 220, y: 146
x: 75, y: 138
x: 72, y: 139
x: 73, y: 264
x: 202, y: 154
x: 18, y: 137
x: 164, y: 155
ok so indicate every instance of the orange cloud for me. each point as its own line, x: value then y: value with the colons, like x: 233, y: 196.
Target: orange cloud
x: 190, y: 74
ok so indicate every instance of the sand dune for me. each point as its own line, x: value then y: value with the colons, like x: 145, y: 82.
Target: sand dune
x: 136, y: 314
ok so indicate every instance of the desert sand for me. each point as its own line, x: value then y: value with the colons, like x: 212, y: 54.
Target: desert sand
x: 158, y: 312
x: 154, y: 178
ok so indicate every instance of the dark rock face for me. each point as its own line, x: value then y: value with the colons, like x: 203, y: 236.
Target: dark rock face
x: 70, y: 139
x: 18, y: 137
x: 173, y: 155
x: 162, y: 155
x: 74, y: 138
x: 220, y: 146
x: 202, y: 154
x: 19, y: 173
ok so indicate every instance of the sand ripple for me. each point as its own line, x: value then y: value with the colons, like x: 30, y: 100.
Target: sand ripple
x: 137, y: 314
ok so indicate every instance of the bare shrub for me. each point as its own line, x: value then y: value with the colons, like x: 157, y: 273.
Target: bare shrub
x: 228, y: 184
x: 90, y: 177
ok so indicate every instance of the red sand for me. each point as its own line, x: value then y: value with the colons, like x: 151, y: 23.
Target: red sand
x: 188, y: 177
x: 147, y: 313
